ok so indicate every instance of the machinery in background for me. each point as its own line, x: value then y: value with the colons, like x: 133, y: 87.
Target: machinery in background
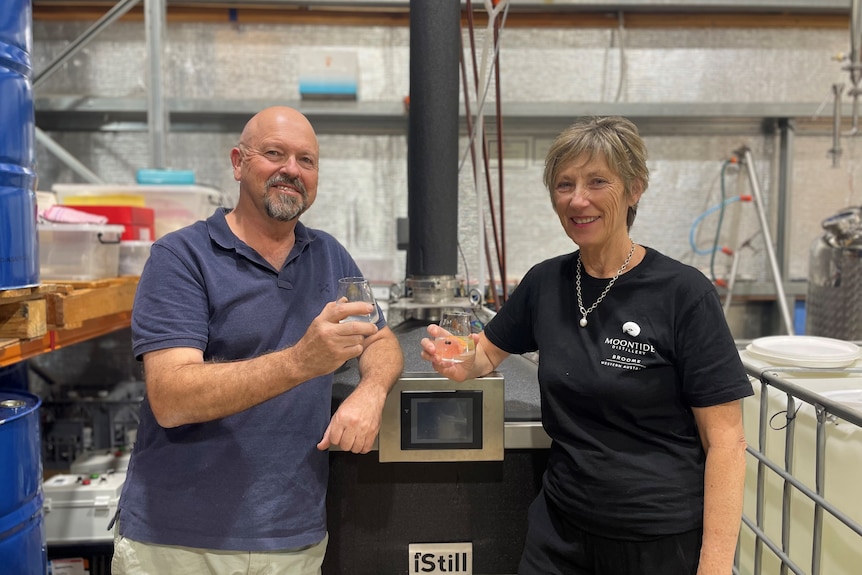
x: 438, y: 72
x: 91, y: 432
x: 87, y: 438
x: 835, y: 278
x: 79, y: 508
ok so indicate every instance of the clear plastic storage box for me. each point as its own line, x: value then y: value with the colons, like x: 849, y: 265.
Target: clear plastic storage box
x: 79, y: 252
x: 175, y: 206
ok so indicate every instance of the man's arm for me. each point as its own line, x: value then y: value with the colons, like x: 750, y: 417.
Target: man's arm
x: 356, y: 422
x: 184, y: 389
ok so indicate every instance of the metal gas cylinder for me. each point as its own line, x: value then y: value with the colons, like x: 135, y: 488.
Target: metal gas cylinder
x: 834, y: 306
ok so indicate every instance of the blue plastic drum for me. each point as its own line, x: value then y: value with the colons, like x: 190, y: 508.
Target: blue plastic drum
x: 23, y: 549
x: 19, y: 248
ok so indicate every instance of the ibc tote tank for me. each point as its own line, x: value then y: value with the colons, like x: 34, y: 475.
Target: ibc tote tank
x: 834, y: 305
x: 19, y: 255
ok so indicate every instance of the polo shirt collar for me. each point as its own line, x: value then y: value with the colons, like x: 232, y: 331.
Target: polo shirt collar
x: 222, y: 235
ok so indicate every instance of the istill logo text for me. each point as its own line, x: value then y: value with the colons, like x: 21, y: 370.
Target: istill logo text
x: 441, y: 558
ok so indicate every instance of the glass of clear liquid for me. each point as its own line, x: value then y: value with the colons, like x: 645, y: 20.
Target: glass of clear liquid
x: 358, y: 289
x: 456, y: 345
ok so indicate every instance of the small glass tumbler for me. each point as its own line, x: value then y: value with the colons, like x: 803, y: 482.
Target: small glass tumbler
x: 357, y: 289
x: 457, y: 345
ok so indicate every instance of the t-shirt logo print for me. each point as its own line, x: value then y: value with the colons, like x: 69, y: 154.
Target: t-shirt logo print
x: 631, y: 328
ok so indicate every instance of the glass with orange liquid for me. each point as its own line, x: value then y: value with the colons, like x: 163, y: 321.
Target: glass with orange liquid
x: 457, y: 345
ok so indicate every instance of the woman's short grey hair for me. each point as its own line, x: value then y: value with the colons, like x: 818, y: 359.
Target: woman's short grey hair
x: 615, y: 138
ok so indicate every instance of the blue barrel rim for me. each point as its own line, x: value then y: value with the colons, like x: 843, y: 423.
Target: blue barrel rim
x: 34, y: 403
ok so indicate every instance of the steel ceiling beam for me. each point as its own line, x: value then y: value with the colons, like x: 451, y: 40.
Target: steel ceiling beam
x: 741, y: 6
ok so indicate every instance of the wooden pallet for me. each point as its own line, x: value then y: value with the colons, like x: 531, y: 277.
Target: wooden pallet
x: 23, y: 313
x: 30, y: 313
x: 72, y: 304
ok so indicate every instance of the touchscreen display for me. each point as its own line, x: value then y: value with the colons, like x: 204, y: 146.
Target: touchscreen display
x: 450, y: 419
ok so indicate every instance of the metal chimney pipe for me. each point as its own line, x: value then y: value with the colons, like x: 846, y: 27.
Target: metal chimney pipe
x: 432, y: 138
x: 855, y: 40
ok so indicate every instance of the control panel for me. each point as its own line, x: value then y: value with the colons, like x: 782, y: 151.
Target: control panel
x: 79, y: 507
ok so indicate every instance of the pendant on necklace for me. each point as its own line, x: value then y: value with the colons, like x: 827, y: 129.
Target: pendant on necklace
x: 583, y: 322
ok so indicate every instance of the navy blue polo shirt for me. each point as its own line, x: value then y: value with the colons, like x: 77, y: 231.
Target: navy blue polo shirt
x: 255, y: 480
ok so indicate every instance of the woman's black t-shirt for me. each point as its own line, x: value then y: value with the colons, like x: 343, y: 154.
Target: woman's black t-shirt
x: 626, y: 460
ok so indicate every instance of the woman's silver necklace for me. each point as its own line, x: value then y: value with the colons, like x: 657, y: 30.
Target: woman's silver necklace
x: 583, y: 321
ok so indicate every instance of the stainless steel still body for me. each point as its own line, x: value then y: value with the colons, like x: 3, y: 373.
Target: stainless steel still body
x: 834, y: 304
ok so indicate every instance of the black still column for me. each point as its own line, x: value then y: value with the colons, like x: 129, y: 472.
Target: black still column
x: 432, y: 139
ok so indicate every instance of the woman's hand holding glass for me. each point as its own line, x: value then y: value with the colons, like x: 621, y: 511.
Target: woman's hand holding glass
x: 454, y: 342
x: 451, y: 348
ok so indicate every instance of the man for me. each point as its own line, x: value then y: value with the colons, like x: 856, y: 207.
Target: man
x: 236, y: 321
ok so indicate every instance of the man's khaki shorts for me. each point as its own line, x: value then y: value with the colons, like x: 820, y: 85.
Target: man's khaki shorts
x: 136, y: 558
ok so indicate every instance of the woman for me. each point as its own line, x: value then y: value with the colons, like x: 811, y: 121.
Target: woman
x: 639, y: 376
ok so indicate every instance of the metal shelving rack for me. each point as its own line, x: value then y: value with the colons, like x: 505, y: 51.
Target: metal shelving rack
x: 93, y: 113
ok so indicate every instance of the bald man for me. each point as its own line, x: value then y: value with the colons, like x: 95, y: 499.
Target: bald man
x: 237, y: 326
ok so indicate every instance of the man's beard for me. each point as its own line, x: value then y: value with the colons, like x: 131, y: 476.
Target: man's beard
x: 285, y: 207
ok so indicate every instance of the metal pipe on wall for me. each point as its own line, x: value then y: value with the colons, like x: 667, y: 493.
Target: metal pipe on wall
x: 787, y: 136
x: 432, y: 138
x: 745, y: 154
x: 856, y: 41
x: 855, y: 57
x: 835, y: 150
x: 155, y: 15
